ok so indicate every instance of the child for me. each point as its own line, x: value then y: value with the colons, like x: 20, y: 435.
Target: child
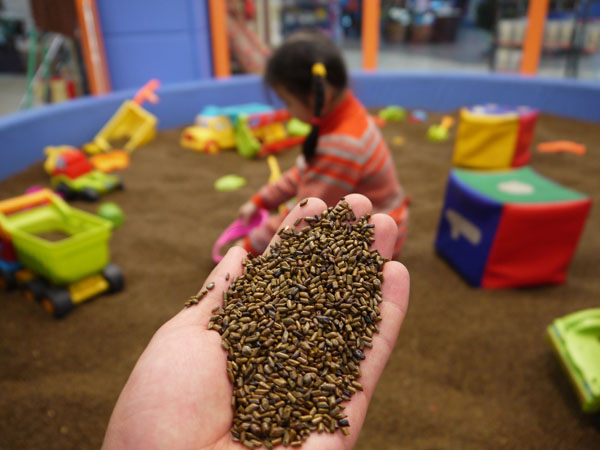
x: 344, y: 152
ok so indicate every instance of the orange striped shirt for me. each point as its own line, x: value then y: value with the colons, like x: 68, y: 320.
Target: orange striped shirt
x: 351, y: 157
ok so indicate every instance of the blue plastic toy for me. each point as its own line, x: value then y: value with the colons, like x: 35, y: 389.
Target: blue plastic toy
x: 233, y: 112
x: 418, y: 115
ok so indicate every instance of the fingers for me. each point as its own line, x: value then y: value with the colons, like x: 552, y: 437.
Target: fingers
x: 395, y: 293
x: 360, y: 204
x: 395, y: 290
x: 310, y: 208
x: 230, y: 264
x: 393, y: 309
x: 386, y: 229
x: 386, y: 233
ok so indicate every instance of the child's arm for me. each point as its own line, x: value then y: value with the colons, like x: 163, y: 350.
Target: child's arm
x: 274, y: 194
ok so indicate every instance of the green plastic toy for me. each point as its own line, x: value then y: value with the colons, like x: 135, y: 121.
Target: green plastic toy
x: 64, y: 250
x: 441, y: 132
x: 229, y: 183
x: 575, y: 339
x: 84, y: 252
x: 247, y: 145
x: 392, y: 114
x: 111, y: 212
x: 436, y: 133
x: 296, y: 127
x: 89, y: 186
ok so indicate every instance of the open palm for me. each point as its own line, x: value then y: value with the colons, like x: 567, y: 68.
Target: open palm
x: 178, y: 395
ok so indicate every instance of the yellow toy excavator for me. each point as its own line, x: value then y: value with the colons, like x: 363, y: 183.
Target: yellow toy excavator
x: 131, y: 124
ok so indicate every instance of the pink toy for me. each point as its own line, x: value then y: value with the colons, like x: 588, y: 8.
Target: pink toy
x: 33, y: 189
x: 238, y: 230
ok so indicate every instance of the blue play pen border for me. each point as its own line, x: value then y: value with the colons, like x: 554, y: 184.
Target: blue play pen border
x: 24, y: 135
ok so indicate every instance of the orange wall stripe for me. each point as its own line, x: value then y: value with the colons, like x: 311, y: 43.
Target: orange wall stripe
x: 94, y: 53
x: 370, y: 33
x: 532, y: 47
x: 218, y: 33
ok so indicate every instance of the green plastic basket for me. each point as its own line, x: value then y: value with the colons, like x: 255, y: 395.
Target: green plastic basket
x: 576, y: 340
x: 82, y: 253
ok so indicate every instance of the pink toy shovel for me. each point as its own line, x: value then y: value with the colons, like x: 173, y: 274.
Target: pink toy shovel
x: 238, y: 230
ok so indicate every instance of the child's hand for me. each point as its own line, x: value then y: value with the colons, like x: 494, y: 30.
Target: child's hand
x: 246, y: 211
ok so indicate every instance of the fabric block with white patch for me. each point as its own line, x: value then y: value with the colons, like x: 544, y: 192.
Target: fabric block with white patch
x: 510, y: 228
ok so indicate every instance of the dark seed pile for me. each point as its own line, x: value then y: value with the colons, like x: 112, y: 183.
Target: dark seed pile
x: 295, y: 325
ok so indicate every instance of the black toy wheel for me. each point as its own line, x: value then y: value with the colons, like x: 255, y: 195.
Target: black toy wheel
x: 120, y: 186
x: 89, y: 195
x: 7, y: 280
x: 114, y: 275
x: 57, y: 302
x: 68, y: 193
x: 36, y: 289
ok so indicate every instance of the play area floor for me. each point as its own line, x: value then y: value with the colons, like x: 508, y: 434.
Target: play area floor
x: 471, y: 368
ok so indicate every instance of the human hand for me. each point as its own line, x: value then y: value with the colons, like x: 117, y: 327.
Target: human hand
x: 179, y: 396
x: 246, y: 211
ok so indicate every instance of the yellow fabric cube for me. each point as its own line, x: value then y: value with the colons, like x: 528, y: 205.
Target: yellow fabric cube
x: 485, y: 141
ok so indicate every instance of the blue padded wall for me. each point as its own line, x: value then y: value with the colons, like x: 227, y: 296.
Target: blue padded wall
x: 446, y: 91
x: 144, y: 39
x: 24, y: 135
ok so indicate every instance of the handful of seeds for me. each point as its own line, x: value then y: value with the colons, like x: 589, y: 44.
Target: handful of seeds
x: 295, y: 325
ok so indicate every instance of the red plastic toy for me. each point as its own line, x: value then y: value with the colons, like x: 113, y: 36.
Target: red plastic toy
x: 272, y: 143
x: 73, y: 164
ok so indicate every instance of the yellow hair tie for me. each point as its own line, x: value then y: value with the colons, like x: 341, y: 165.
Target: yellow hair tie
x: 319, y: 70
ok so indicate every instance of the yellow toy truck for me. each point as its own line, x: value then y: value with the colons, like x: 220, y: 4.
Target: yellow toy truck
x: 58, y: 254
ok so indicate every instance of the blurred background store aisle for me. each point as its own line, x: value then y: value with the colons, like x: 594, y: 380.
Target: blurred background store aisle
x: 12, y: 89
x: 433, y: 35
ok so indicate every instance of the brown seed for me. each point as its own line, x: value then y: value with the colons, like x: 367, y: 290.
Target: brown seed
x: 210, y: 285
x: 255, y: 429
x: 295, y: 325
x: 286, y: 438
x: 303, y: 202
x: 277, y: 432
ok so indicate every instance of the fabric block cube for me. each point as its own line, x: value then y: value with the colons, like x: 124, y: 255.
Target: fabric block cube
x: 494, y: 137
x: 509, y: 228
